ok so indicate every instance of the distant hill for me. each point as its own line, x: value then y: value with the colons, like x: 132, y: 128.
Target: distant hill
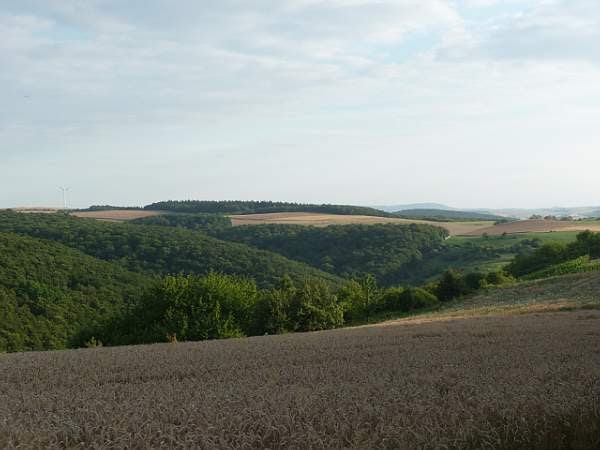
x: 447, y: 215
x: 260, y: 207
x: 395, y: 208
x: 525, y: 213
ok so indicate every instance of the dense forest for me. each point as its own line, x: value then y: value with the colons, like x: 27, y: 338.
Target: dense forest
x: 390, y: 252
x: 259, y: 207
x: 49, y: 293
x: 160, y: 250
x: 211, y: 224
x: 351, y: 251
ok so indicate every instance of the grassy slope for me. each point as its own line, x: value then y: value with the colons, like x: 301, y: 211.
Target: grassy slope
x: 564, y: 293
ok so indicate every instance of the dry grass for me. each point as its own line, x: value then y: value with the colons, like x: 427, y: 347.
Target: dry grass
x: 519, y: 382
x: 119, y: 215
x: 322, y: 220
x: 537, y: 226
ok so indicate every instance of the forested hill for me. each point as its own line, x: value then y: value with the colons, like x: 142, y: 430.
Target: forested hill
x: 160, y: 250
x: 259, y: 207
x: 448, y: 215
x: 385, y: 250
x: 49, y: 293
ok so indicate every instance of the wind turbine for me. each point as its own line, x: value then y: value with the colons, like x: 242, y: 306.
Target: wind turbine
x: 65, y: 190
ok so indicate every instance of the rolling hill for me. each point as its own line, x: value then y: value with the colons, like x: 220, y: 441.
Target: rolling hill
x: 159, y: 250
x: 50, y: 292
x: 448, y: 215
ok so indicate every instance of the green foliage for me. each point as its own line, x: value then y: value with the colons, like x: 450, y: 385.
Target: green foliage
x: 50, y: 293
x: 160, y: 250
x: 360, y: 299
x: 452, y: 285
x: 409, y: 299
x: 315, y: 307
x: 207, y: 223
x: 259, y: 207
x: 577, y: 265
x: 389, y: 252
x: 549, y: 255
x: 188, y: 308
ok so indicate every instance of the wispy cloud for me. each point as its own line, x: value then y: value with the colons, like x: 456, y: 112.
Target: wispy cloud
x: 213, y: 83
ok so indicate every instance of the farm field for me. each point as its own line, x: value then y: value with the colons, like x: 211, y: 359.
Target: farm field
x: 537, y: 226
x: 299, y: 218
x: 494, y: 381
x: 118, y: 215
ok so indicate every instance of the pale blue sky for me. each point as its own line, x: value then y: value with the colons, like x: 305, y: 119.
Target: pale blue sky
x: 473, y: 103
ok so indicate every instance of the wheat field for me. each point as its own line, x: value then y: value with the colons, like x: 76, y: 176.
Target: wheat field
x: 510, y: 382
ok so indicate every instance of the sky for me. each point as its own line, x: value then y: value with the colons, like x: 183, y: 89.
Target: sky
x: 472, y: 103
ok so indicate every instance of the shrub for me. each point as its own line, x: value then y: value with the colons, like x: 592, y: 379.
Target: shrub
x: 452, y: 285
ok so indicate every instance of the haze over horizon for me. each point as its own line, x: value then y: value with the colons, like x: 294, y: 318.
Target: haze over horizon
x: 470, y: 103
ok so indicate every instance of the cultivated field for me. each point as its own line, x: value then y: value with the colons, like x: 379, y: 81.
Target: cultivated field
x: 118, y: 215
x: 527, y: 381
x: 537, y: 226
x: 322, y: 220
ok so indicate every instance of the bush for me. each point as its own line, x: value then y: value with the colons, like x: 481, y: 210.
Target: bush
x: 451, y: 286
x: 409, y: 299
x: 314, y: 307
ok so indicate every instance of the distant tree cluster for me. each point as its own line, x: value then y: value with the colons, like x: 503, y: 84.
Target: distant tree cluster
x: 260, y: 207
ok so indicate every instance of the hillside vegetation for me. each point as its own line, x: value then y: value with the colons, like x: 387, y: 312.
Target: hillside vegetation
x: 350, y: 251
x: 258, y: 207
x: 160, y: 250
x: 49, y: 293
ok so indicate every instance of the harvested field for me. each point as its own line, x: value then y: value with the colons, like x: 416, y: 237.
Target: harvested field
x: 526, y: 381
x: 537, y: 226
x: 36, y: 210
x: 118, y: 215
x: 323, y: 220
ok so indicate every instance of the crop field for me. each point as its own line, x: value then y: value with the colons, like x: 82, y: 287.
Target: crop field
x: 537, y: 226
x: 322, y: 220
x: 529, y: 381
x: 118, y: 215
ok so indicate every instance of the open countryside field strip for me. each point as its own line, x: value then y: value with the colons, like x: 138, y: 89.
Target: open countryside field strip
x: 526, y: 381
x: 299, y: 218
x: 537, y: 226
x: 118, y: 215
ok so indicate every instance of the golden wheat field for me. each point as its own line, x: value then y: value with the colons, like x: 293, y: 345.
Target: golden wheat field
x: 497, y: 382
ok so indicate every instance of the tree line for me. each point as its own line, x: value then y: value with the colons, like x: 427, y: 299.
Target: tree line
x: 260, y: 207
